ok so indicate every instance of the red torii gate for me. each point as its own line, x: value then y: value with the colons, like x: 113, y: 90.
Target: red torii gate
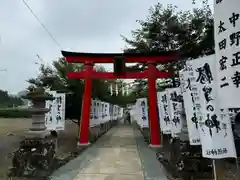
x: 151, y: 73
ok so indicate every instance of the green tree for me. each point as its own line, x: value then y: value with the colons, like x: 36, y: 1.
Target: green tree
x: 59, y: 81
x: 7, y: 100
x: 166, y: 28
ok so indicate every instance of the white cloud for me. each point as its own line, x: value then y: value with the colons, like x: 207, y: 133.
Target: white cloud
x: 86, y: 25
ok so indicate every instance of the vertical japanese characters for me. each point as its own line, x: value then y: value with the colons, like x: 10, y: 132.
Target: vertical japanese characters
x: 163, y: 106
x: 142, y: 112
x: 55, y: 118
x: 174, y: 98
x: 227, y: 34
x: 190, y: 94
x: 215, y: 132
x: 102, y: 112
x: 92, y: 113
x: 60, y: 109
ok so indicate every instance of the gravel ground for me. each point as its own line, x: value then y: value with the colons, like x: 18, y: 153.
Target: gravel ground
x: 11, y: 132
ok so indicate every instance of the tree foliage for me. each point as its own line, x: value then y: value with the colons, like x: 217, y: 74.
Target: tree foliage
x: 167, y: 28
x: 7, y: 100
x: 55, y: 78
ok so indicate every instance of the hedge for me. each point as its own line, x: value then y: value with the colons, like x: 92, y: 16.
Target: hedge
x: 14, y: 113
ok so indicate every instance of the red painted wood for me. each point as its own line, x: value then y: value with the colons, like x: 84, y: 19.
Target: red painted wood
x: 86, y: 108
x: 88, y: 74
x: 157, y: 59
x: 153, y: 113
x: 110, y: 75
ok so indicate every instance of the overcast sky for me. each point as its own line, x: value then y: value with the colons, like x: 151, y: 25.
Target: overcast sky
x: 78, y: 25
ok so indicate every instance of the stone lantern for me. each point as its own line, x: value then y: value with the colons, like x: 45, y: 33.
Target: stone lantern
x: 37, y: 150
x: 38, y: 98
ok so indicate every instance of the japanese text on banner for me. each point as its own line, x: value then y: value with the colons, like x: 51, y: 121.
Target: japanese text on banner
x: 175, y: 109
x: 215, y: 131
x: 165, y: 122
x: 227, y: 48
x: 189, y: 91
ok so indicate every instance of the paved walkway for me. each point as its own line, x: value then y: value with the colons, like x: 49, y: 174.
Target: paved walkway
x: 121, y: 154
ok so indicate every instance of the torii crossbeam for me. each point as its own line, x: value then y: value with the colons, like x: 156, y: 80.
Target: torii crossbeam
x: 89, y: 59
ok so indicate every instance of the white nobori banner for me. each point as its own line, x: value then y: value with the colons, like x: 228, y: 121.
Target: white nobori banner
x: 55, y: 118
x: 60, y: 110
x: 142, y: 105
x: 114, y: 112
x: 106, y: 112
x: 163, y: 110
x: 139, y: 112
x: 175, y: 110
x: 96, y: 113
x: 215, y: 129
x: 100, y: 112
x: 121, y: 112
x: 227, y: 49
x: 92, y: 113
x: 189, y: 91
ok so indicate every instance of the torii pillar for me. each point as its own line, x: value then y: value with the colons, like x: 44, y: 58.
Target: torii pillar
x: 152, y: 101
x: 89, y: 59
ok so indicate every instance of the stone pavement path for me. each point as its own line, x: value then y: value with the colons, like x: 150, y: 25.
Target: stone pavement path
x: 115, y: 156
